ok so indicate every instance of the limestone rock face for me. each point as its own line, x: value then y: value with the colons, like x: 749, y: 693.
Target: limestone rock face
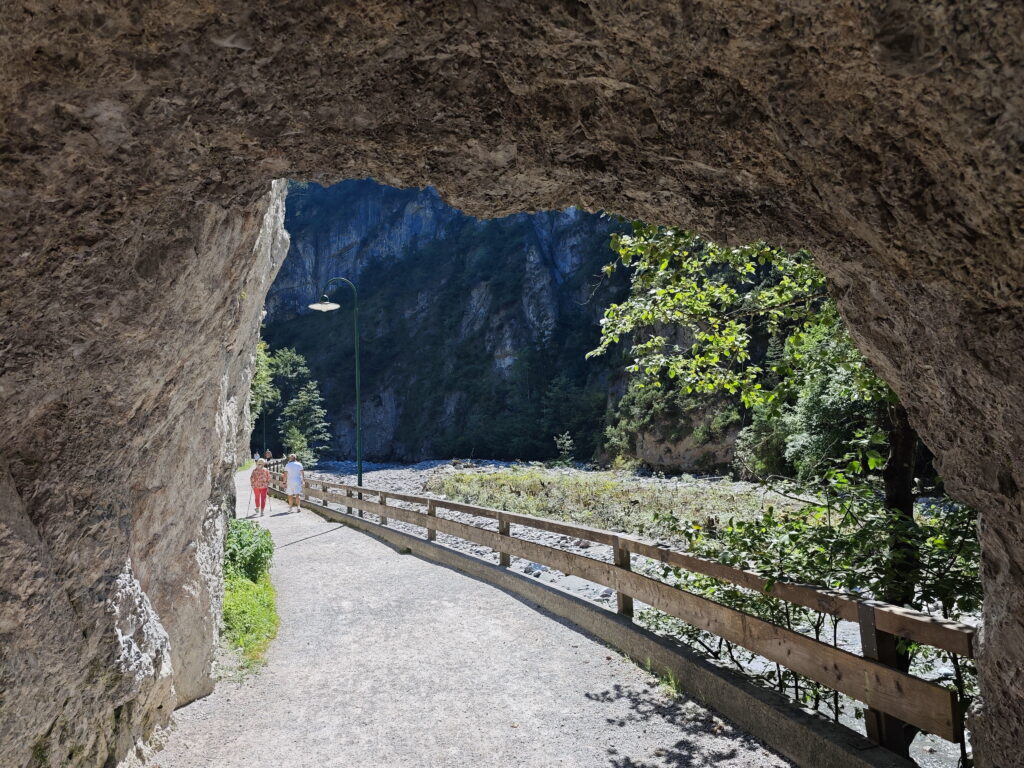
x: 139, y: 143
x: 117, y: 489
x: 687, y: 452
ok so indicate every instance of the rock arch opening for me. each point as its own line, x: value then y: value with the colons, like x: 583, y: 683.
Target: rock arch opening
x: 137, y: 183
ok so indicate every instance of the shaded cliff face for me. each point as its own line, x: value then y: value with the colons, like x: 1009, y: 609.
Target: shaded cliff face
x: 342, y: 229
x: 112, y: 567
x: 474, y: 332
x: 886, y: 138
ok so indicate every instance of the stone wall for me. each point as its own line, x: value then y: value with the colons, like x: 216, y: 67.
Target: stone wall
x: 139, y: 142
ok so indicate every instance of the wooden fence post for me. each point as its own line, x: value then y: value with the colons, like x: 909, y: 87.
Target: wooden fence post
x: 885, y: 730
x: 383, y: 501
x: 504, y: 529
x: 432, y: 512
x: 348, y: 495
x: 624, y: 603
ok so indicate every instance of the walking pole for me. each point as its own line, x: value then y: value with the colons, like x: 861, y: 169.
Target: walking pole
x: 249, y: 508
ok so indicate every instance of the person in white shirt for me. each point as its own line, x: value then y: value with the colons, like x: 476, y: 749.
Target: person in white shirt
x: 293, y: 477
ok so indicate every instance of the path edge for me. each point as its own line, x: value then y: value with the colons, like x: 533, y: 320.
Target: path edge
x: 808, y: 739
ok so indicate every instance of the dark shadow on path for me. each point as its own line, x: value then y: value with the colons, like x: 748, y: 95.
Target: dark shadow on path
x: 315, y: 535
x: 692, y: 722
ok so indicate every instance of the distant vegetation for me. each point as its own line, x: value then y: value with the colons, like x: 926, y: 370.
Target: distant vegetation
x: 286, y: 406
x: 760, y: 329
x: 250, y: 611
x: 613, y: 500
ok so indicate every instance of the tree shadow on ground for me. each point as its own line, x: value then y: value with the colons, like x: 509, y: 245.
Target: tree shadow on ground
x: 312, y: 536
x: 705, y: 737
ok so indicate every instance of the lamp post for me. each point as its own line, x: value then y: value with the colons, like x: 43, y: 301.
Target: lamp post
x: 326, y: 305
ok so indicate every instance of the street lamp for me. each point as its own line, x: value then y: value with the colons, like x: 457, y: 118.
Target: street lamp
x: 326, y: 305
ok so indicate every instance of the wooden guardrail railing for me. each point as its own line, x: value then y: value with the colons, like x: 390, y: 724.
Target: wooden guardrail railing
x: 894, y: 698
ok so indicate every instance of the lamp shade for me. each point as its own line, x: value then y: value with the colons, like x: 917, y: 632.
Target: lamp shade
x: 324, y: 305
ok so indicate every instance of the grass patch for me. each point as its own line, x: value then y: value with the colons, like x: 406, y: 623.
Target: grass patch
x: 611, y: 500
x: 250, y: 607
x: 250, y: 616
x: 247, y: 465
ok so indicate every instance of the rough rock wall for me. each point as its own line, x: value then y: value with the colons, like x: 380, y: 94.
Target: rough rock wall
x: 346, y: 228
x: 885, y: 136
x: 687, y: 453
x: 122, y: 421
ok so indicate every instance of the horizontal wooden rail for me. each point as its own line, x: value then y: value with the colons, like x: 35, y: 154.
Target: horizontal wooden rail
x: 925, y: 705
x: 952, y: 636
x: 893, y: 697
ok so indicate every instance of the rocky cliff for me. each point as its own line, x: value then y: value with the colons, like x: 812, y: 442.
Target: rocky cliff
x: 474, y: 331
x: 139, y: 142
x: 110, y: 608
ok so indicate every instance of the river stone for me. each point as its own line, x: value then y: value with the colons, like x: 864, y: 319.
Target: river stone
x: 139, y: 145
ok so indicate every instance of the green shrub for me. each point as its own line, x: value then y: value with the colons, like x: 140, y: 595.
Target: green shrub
x: 248, y: 550
x: 295, y: 442
x: 761, y: 446
x: 566, y: 448
x: 841, y: 547
x: 250, y: 615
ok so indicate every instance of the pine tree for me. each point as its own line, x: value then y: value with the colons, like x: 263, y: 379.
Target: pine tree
x: 290, y: 372
x: 306, y: 415
x: 295, y: 442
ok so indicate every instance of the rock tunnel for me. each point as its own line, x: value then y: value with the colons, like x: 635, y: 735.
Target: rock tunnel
x: 143, y: 225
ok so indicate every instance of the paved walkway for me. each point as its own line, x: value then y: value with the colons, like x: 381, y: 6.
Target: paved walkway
x: 384, y: 659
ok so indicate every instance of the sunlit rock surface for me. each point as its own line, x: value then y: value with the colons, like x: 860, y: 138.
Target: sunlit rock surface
x: 139, y: 144
x: 121, y: 451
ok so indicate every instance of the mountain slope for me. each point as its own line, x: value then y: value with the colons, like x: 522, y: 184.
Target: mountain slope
x: 473, y: 332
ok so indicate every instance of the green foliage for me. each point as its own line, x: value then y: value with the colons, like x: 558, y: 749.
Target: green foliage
x: 808, y: 435
x: 289, y: 371
x: 294, y: 404
x: 755, y: 323
x: 750, y: 325
x: 250, y: 616
x: 566, y: 448
x: 295, y: 442
x: 719, y: 298
x: 262, y: 392
x: 248, y: 550
x: 305, y: 415
x: 834, y: 544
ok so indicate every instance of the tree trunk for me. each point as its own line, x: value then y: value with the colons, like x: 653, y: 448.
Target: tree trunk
x: 898, y: 477
x: 902, y: 569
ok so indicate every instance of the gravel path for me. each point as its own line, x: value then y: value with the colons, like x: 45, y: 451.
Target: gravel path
x: 927, y: 750
x: 387, y: 660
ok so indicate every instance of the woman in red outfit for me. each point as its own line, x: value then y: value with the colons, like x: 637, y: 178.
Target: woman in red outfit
x: 260, y: 480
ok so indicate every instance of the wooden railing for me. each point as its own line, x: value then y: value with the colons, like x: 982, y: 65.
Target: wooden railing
x: 894, y: 698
